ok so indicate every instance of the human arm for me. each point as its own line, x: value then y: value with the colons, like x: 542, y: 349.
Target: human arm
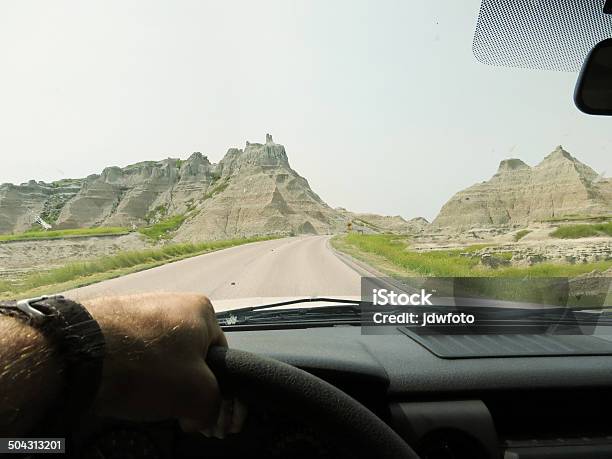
x: 154, y: 366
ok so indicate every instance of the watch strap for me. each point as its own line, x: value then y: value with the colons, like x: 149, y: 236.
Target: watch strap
x: 78, y: 341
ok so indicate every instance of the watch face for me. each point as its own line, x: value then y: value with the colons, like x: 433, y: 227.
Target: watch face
x: 37, y: 313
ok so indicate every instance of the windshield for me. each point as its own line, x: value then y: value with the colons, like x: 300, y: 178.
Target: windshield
x: 261, y: 152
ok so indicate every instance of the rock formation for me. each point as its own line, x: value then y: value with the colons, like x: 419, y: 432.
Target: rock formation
x: 374, y: 223
x: 518, y: 194
x: 257, y: 192
x: 250, y: 191
x: 20, y: 204
x: 138, y: 194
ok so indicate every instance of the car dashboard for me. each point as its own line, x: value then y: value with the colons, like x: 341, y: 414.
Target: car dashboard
x: 503, y: 407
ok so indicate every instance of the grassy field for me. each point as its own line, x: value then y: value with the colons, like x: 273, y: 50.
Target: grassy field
x: 391, y: 255
x: 585, y: 230
x: 83, y: 273
x: 157, y: 231
x: 164, y: 228
x: 540, y: 283
x: 570, y: 218
x: 59, y: 234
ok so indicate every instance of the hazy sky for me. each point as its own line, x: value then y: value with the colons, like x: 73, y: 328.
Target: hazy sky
x: 380, y: 105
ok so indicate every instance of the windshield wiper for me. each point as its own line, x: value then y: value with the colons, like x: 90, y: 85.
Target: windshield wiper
x: 313, y: 299
x: 342, y: 311
x: 349, y: 312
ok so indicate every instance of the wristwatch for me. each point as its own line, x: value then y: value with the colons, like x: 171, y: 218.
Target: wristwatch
x: 77, y: 340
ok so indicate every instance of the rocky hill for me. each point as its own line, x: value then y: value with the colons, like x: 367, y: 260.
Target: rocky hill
x: 518, y: 194
x: 374, y: 223
x: 20, y: 204
x: 256, y: 192
x: 250, y: 191
x: 138, y: 194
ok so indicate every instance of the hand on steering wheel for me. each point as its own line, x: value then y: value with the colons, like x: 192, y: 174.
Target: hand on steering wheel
x: 155, y: 365
x: 269, y: 383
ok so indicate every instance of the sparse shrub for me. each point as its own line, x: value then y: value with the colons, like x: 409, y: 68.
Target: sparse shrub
x: 157, y: 214
x: 163, y: 228
x: 215, y: 189
x: 585, y: 230
x: 521, y: 234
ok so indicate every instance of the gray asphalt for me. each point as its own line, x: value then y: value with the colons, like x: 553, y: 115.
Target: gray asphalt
x: 290, y: 267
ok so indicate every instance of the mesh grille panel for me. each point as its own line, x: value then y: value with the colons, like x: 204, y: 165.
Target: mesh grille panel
x: 540, y: 34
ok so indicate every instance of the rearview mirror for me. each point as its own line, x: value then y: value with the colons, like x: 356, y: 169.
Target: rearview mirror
x: 593, y: 94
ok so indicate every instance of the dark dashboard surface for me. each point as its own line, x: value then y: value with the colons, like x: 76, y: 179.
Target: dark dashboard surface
x: 515, y: 407
x: 510, y: 407
x: 412, y: 370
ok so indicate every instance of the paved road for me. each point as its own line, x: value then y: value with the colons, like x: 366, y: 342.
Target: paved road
x: 300, y: 266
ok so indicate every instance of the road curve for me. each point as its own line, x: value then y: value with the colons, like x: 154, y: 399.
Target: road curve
x: 298, y: 266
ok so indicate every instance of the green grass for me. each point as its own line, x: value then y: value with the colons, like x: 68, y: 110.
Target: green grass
x: 570, y: 218
x: 433, y: 263
x: 586, y: 230
x: 472, y: 248
x: 367, y: 224
x: 504, y: 255
x: 83, y: 273
x: 163, y: 229
x: 216, y: 187
x: 191, y: 205
x: 66, y: 182
x: 391, y: 255
x: 450, y: 263
x: 58, y: 234
x: 157, y: 213
x: 521, y: 234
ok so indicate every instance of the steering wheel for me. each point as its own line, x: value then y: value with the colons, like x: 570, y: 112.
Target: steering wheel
x: 258, y: 380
